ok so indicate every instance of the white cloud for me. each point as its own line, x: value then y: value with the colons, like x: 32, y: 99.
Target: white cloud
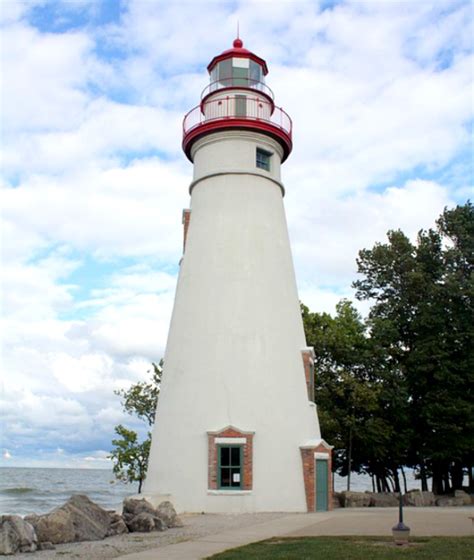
x: 46, y: 73
x: 135, y: 210
x: 380, y: 94
x: 327, y: 237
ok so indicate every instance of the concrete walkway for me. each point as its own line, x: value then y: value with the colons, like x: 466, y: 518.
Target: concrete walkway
x: 434, y: 521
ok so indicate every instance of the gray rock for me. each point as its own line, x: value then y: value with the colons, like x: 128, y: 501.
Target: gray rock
x: 355, y: 499
x: 46, y: 546
x: 144, y: 523
x: 384, y: 499
x: 336, y: 500
x: 449, y: 501
x: 466, y: 498
x: 132, y: 507
x: 16, y: 535
x: 55, y: 527
x: 90, y: 521
x: 79, y: 519
x: 417, y: 498
x: 117, y: 525
x: 166, y: 512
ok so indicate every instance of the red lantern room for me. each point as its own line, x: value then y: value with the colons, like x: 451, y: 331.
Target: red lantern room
x: 237, y: 98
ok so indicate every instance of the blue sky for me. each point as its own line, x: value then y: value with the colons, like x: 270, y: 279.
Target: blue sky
x: 94, y: 179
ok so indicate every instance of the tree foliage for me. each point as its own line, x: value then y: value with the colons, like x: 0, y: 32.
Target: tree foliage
x: 129, y: 455
x: 397, y: 389
x: 422, y: 313
x: 140, y: 399
x: 354, y: 395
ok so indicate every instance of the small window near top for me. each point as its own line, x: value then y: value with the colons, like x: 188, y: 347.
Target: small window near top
x: 263, y: 159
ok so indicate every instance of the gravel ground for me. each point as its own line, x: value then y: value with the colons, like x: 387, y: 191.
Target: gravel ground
x: 113, y: 547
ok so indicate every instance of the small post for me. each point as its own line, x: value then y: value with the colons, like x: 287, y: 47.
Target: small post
x: 400, y: 532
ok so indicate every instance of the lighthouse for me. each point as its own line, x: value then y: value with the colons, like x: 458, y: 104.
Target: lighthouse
x: 236, y: 427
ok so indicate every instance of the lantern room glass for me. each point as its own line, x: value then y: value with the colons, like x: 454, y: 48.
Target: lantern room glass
x: 236, y: 71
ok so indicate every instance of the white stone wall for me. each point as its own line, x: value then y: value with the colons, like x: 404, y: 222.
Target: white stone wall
x: 234, y: 349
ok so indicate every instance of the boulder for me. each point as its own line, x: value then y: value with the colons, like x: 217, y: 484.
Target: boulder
x: 55, y: 527
x: 355, y: 499
x: 466, y: 498
x: 384, y: 499
x: 133, y: 506
x: 79, y: 519
x: 166, y: 512
x: 418, y: 498
x: 142, y: 516
x: 336, y: 500
x: 16, y: 535
x: 90, y: 521
x: 449, y: 501
x: 145, y: 522
x: 117, y: 525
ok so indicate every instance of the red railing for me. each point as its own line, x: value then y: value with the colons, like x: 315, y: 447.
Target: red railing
x: 237, y: 107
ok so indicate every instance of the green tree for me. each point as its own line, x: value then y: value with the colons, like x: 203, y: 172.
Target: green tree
x: 352, y: 394
x: 129, y: 455
x: 140, y: 399
x: 422, y: 317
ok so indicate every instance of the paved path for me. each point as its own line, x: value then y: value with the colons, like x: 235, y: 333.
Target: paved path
x: 434, y: 521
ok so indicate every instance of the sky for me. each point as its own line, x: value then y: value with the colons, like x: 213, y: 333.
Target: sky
x: 94, y: 180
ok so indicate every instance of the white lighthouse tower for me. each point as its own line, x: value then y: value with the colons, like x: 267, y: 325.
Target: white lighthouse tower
x: 236, y: 429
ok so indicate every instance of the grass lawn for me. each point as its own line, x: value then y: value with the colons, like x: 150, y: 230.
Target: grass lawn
x: 353, y: 548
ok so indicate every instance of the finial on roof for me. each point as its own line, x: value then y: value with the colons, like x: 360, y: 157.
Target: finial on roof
x: 238, y: 44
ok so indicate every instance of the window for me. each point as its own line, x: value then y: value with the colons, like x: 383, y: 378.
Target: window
x: 240, y: 106
x: 256, y: 75
x: 263, y: 159
x: 230, y: 466
x: 225, y: 72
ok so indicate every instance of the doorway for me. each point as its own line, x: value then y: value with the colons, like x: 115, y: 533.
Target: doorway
x: 321, y: 484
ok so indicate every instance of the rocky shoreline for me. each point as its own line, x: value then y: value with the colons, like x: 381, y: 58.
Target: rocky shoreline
x: 80, y: 519
x: 81, y: 529
x: 413, y: 498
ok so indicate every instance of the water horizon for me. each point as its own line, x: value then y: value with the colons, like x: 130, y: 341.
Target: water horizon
x: 27, y: 490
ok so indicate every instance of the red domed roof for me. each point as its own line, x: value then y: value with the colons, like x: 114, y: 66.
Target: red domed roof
x: 238, y: 50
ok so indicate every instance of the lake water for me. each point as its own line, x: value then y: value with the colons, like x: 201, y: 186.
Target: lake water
x: 24, y: 491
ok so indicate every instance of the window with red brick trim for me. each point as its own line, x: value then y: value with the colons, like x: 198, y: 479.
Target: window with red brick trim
x: 223, y: 474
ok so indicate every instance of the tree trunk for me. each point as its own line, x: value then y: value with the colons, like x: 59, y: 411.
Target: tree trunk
x: 438, y: 483
x: 379, y: 486
x: 457, y: 475
x: 424, y: 481
x: 373, y: 483
x: 405, y: 479
x: 447, y: 480
x: 470, y: 475
x: 396, y: 480
x: 392, y: 483
x: 349, y: 460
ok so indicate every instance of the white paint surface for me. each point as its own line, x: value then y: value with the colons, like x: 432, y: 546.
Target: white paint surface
x: 234, y: 349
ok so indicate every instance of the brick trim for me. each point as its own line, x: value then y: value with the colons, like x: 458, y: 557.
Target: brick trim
x: 247, y: 468
x: 308, y: 363
x: 309, y: 475
x: 185, y: 221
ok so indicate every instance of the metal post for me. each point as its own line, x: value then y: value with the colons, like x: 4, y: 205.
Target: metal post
x: 400, y: 532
